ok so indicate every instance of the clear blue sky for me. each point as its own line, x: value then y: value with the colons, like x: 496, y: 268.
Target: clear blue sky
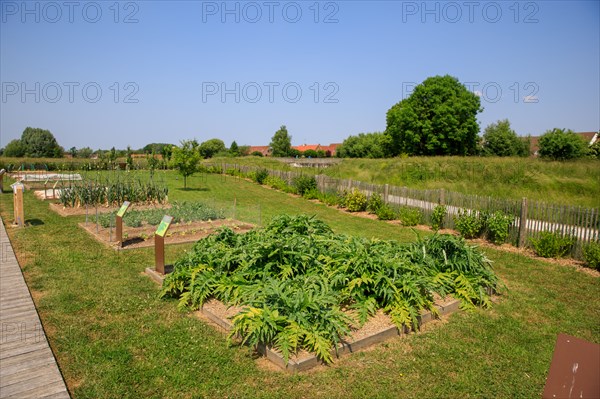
x: 169, y: 71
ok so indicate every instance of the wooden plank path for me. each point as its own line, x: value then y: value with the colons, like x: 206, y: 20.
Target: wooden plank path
x: 28, y: 368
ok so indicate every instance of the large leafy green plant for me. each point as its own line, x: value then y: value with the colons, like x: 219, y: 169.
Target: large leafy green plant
x: 300, y: 286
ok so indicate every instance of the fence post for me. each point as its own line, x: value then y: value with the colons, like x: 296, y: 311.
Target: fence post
x: 386, y: 193
x: 349, y: 185
x: 442, y: 196
x: 523, y: 223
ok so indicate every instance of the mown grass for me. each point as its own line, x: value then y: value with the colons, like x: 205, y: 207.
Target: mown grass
x: 114, y: 339
x: 565, y: 183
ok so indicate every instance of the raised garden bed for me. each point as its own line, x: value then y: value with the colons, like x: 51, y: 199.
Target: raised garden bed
x: 91, y: 210
x: 179, y: 233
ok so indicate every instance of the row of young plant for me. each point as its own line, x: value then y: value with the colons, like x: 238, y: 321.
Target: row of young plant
x: 112, y: 192
x: 493, y: 226
x: 300, y: 286
x: 182, y: 212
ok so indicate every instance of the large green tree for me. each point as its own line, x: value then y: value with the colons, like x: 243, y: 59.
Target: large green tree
x: 502, y: 141
x: 209, y: 148
x: 365, y: 145
x: 14, y: 149
x: 40, y: 143
x: 186, y: 159
x: 561, y: 144
x: 438, y: 118
x: 281, y: 143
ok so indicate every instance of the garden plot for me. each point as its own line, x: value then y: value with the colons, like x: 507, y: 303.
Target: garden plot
x: 191, y: 222
x: 296, y: 287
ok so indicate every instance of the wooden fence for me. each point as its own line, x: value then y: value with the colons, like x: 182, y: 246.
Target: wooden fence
x: 530, y: 218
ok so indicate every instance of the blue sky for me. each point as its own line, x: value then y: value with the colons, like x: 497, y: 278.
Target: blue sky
x: 103, y: 74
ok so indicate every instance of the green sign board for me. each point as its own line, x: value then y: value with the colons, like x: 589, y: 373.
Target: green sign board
x: 164, y: 225
x: 123, y: 208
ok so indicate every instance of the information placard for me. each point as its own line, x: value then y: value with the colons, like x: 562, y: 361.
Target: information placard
x: 164, y: 225
x: 123, y: 208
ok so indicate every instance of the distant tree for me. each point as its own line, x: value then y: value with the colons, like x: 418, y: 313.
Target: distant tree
x: 256, y: 154
x: 129, y: 158
x: 186, y: 158
x: 73, y: 152
x: 244, y: 150
x: 14, y: 149
x: 1, y: 151
x: 594, y: 150
x: 40, y: 143
x: 112, y: 156
x: 234, y: 150
x: 166, y: 152
x: 561, y: 144
x: 310, y: 154
x: 156, y: 148
x: 365, y: 145
x: 211, y: 147
x: 84, y: 152
x: 438, y: 118
x: 153, y: 163
x: 500, y: 140
x: 281, y: 143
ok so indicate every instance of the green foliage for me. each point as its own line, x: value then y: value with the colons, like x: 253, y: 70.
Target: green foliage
x: 40, y: 143
x: 561, y: 144
x: 385, y: 212
x: 281, y: 143
x: 234, y: 149
x: 591, y: 255
x: 132, y: 219
x: 313, y: 193
x: 293, y: 278
x: 331, y: 198
x: 438, y: 216
x: 355, y: 201
x: 500, y: 140
x: 211, y: 147
x: 375, y: 202
x: 594, y: 150
x: 497, y: 225
x: 365, y: 145
x: 469, y: 224
x: 552, y: 245
x: 410, y: 216
x: 112, y: 192
x: 305, y: 183
x: 439, y: 118
x: 14, y: 148
x: 261, y: 175
x: 185, y: 159
x: 276, y: 182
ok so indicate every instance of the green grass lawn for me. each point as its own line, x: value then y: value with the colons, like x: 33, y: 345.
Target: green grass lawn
x: 564, y: 183
x: 113, y: 338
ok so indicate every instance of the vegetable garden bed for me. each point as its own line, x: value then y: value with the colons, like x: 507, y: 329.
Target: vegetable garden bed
x: 300, y: 287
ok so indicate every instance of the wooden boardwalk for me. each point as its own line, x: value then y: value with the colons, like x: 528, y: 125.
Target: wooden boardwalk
x: 28, y: 368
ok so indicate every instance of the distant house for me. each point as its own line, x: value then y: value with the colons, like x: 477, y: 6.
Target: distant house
x: 589, y: 137
x: 263, y: 149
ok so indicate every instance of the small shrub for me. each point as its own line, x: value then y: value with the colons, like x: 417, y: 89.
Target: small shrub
x: 375, y: 202
x: 497, y: 225
x: 410, y: 216
x: 591, y: 255
x: 468, y: 224
x: 311, y: 194
x: 552, y: 245
x: 132, y: 219
x: 385, y: 212
x: 276, y: 183
x: 106, y: 219
x: 438, y: 216
x: 356, y: 201
x: 153, y: 217
x: 330, y: 198
x: 304, y: 183
x: 261, y: 175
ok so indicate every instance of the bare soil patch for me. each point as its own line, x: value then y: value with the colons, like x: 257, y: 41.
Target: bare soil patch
x: 179, y: 233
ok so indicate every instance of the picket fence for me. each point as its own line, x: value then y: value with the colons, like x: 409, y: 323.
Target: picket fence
x: 530, y: 218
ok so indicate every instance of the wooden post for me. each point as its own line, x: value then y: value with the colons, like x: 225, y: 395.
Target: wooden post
x: 386, y: 193
x: 523, y: 223
x: 119, y: 222
x: 349, y: 185
x: 159, y: 244
x: 442, y: 196
x: 2, y: 172
x: 19, y: 213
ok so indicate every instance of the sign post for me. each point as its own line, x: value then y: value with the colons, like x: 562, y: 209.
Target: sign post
x: 119, y: 221
x: 19, y: 213
x: 159, y: 244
